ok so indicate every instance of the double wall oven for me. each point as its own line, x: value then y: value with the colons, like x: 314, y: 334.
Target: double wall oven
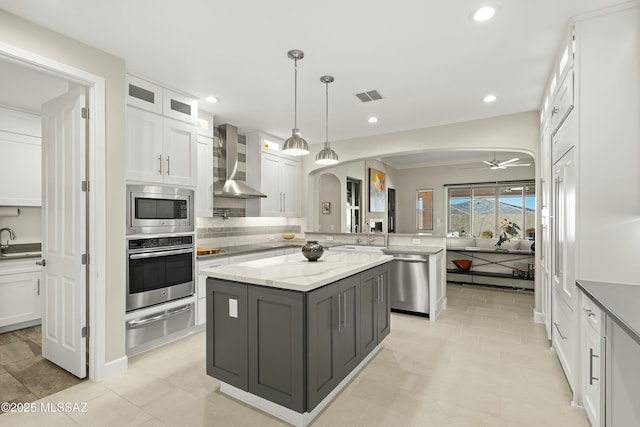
x: 160, y: 265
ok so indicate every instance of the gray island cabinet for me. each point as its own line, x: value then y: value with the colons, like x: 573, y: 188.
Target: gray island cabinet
x: 289, y: 351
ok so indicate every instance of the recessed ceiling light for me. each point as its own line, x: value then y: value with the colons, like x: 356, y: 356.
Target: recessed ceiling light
x: 489, y: 99
x: 212, y: 99
x: 373, y: 120
x: 484, y: 13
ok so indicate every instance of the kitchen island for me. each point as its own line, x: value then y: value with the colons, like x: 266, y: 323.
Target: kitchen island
x: 286, y: 335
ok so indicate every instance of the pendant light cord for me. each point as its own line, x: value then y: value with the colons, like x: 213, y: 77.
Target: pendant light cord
x: 326, y: 143
x: 295, y: 95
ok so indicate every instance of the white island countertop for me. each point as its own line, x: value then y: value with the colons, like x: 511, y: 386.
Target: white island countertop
x: 294, y: 272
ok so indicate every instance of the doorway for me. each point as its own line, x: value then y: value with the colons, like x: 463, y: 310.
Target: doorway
x: 95, y: 88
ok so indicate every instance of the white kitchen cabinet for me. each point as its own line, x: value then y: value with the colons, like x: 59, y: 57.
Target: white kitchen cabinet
x: 280, y: 181
x: 152, y: 97
x: 180, y: 148
x: 21, y: 162
x: 590, y: 222
x: 276, y: 174
x: 563, y: 228
x: 160, y: 150
x: 21, y: 151
x: 144, y: 94
x: 564, y: 305
x: 201, y: 288
x: 161, y: 134
x: 180, y: 107
x: 564, y: 337
x: 20, y: 298
x: 204, y: 190
x: 592, y: 359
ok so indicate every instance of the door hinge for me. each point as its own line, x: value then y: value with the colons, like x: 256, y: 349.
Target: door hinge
x: 85, y: 186
x: 85, y: 259
x: 85, y: 113
x: 85, y: 331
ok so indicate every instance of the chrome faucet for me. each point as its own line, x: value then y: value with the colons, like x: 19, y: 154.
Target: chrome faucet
x: 370, y: 238
x: 12, y: 236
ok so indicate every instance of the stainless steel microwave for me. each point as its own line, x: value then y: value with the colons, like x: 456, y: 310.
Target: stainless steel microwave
x: 153, y: 209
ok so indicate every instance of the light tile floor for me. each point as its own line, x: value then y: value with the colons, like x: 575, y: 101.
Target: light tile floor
x: 482, y: 363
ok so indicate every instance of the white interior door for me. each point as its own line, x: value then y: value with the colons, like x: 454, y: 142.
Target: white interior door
x: 64, y: 231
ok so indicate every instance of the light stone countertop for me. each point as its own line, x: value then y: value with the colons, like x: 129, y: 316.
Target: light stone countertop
x: 294, y: 272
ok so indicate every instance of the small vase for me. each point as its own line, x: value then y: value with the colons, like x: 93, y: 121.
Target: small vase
x: 312, y: 250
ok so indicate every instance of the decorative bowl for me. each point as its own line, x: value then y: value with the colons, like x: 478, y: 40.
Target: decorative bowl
x: 462, y: 264
x: 288, y: 236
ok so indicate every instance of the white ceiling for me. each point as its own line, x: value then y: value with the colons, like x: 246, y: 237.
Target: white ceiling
x: 430, y: 60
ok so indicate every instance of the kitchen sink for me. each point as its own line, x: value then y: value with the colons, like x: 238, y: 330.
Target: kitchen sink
x: 23, y: 249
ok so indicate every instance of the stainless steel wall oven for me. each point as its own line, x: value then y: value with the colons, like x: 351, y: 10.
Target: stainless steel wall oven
x: 159, y: 269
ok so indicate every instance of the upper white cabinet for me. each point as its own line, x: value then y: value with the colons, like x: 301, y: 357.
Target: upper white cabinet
x: 144, y: 94
x: 160, y: 148
x: 276, y: 174
x: 204, y: 190
x: 21, y: 148
x: 562, y: 83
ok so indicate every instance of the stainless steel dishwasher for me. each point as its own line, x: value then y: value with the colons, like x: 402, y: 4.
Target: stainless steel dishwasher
x: 410, y: 283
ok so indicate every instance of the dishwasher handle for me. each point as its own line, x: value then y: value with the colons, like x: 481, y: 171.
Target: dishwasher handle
x: 425, y: 260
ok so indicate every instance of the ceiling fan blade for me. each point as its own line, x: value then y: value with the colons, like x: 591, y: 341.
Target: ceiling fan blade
x: 517, y: 164
x: 506, y: 162
x: 487, y: 163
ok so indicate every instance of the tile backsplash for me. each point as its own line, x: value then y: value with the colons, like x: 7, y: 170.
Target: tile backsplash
x: 217, y: 232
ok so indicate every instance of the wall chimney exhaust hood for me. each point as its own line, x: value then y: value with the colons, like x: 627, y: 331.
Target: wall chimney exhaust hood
x: 231, y: 187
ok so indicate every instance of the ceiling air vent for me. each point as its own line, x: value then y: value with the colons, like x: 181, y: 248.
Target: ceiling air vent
x: 372, y: 95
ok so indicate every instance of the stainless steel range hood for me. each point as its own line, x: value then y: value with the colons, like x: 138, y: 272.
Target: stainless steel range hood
x: 231, y: 187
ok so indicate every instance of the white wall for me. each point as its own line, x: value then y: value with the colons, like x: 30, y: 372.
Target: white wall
x: 409, y: 180
x: 331, y: 191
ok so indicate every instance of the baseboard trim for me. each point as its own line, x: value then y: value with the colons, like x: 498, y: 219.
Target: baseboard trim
x: 538, y: 317
x: 113, y: 367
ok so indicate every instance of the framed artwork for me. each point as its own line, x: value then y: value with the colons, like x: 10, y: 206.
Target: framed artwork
x: 377, y: 191
x: 326, y: 207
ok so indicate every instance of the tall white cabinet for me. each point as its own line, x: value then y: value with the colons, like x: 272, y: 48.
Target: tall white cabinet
x: 204, y: 189
x: 590, y: 127
x: 275, y: 174
x: 161, y: 135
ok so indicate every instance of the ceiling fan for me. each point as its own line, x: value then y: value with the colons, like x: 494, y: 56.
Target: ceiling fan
x: 496, y: 164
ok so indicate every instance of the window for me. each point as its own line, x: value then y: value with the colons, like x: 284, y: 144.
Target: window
x: 480, y: 210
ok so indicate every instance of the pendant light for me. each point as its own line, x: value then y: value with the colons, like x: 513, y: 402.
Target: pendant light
x: 295, y: 144
x: 327, y: 156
